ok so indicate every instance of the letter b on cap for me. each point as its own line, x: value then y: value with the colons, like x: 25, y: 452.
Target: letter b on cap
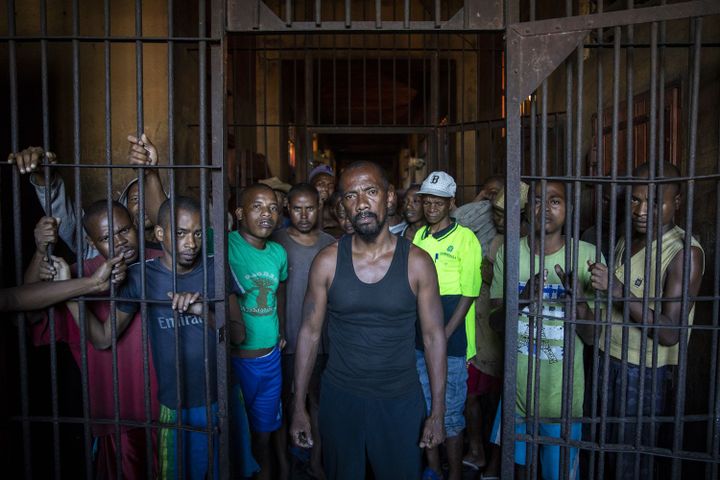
x: 435, y: 179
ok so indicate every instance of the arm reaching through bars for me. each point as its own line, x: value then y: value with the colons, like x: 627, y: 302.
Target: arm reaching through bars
x: 36, y: 296
x: 29, y: 161
x: 99, y: 333
x: 46, y: 234
x: 143, y: 152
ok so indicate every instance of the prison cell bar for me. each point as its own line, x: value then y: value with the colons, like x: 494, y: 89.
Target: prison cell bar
x: 17, y: 239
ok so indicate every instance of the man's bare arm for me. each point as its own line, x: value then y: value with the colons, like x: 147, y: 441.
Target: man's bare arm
x: 236, y: 324
x: 36, y: 296
x: 100, y: 333
x: 458, y: 316
x: 143, y: 152
x: 424, y: 278
x: 281, y: 292
x: 670, y: 311
x: 314, y: 307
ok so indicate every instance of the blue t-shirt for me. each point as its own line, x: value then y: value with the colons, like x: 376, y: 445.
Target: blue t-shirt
x: 161, y: 326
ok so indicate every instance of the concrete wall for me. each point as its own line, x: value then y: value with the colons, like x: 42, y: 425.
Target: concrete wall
x: 92, y: 86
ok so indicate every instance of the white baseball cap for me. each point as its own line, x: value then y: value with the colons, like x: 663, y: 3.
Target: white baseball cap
x: 439, y: 184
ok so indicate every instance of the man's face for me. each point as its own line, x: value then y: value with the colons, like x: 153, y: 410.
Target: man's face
x: 491, y: 189
x: 325, y: 185
x: 188, y: 238
x: 499, y: 219
x: 133, y: 205
x: 412, y: 208
x: 639, y: 204
x: 436, y: 209
x: 303, y: 209
x: 393, y: 203
x: 280, y: 196
x: 554, y: 207
x: 343, y: 219
x: 259, y: 212
x: 125, y: 236
x: 365, y: 200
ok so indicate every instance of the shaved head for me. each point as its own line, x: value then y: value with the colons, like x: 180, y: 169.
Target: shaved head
x: 669, y: 171
x: 385, y: 182
x: 255, y: 187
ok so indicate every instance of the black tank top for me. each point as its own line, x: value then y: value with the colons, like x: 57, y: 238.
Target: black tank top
x: 371, y: 327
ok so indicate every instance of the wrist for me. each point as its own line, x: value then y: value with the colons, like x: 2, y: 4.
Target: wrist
x: 94, y: 285
x: 437, y: 413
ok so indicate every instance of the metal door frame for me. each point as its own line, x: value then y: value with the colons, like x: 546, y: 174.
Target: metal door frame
x: 534, y: 50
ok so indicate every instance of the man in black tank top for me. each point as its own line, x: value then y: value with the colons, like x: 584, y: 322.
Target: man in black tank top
x: 373, y: 287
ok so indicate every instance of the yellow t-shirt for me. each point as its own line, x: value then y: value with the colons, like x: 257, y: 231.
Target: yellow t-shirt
x: 672, y: 244
x: 457, y: 255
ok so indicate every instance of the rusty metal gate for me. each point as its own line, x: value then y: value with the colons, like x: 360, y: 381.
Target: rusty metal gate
x: 80, y: 78
x: 632, y: 82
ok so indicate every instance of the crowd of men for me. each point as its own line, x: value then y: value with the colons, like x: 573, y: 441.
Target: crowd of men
x: 366, y: 324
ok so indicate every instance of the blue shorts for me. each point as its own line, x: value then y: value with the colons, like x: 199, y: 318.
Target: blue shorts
x: 195, y: 446
x: 261, y: 382
x: 455, y: 392
x: 188, y: 450
x: 549, y: 454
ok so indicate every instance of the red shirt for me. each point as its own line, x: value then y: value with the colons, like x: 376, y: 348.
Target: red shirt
x: 131, y: 379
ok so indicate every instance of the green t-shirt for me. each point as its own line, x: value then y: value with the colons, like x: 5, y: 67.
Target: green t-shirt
x: 552, y: 334
x: 258, y: 272
x: 458, y: 259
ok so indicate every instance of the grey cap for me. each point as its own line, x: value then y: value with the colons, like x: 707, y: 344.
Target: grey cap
x: 439, y: 184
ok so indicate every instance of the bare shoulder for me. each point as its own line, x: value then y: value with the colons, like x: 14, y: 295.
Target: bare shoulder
x: 323, y: 266
x: 420, y: 265
x: 327, y: 255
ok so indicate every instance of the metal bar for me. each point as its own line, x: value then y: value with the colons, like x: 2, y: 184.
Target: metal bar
x: 111, y: 237
x: 629, y: 160
x: 171, y: 178
x: 219, y: 180
x: 652, y: 156
x: 612, y: 229
x: 618, y: 18
x: 570, y: 254
x: 265, y: 110
x: 334, y: 79
x: 203, y: 130
x: 678, y: 429
x: 512, y: 238
x: 713, y: 437
x: 364, y: 82
x: 394, y: 82
x: 661, y: 163
x: 308, y: 71
x: 48, y: 211
x: 79, y: 242
x: 349, y: 80
x: 17, y: 242
x: 380, y: 48
x: 577, y: 191
x: 599, y: 122
x: 433, y: 153
x: 454, y: 25
x: 377, y: 130
x: 102, y: 38
x: 379, y: 87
